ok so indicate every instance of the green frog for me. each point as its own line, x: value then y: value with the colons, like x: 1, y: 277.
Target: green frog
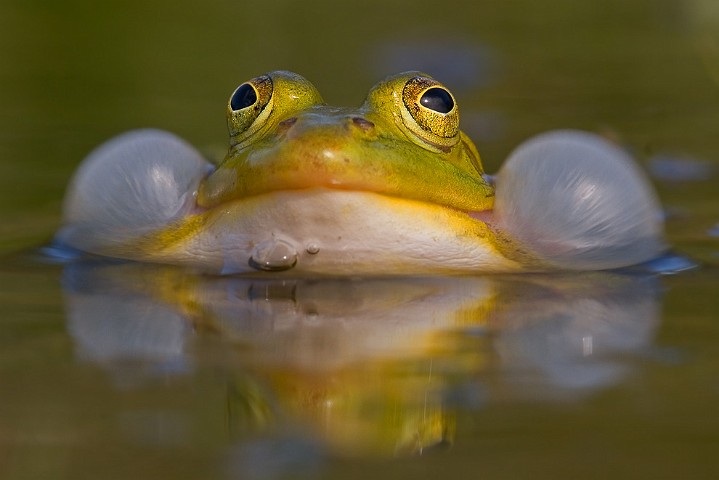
x: 391, y: 187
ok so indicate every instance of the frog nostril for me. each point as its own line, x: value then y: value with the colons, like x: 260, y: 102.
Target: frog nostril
x: 362, y: 123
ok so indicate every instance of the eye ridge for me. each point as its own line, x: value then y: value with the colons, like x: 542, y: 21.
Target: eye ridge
x: 247, y: 107
x: 437, y: 99
x: 431, y: 111
x: 245, y: 96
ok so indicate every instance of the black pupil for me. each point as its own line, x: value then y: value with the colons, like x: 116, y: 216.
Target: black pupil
x: 437, y: 99
x: 243, y: 97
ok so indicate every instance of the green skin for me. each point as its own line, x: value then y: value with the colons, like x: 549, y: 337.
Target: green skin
x: 392, y: 187
x: 379, y: 148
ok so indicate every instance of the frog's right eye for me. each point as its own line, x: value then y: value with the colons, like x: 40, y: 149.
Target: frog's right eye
x: 433, y: 114
x: 249, y: 106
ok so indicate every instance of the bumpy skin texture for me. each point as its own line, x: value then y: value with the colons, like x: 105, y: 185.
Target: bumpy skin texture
x: 392, y: 187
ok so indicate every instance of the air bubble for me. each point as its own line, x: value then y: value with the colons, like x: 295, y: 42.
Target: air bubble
x: 273, y: 256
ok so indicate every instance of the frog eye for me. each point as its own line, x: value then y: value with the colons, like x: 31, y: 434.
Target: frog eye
x: 248, y: 106
x: 244, y: 96
x: 437, y: 99
x: 433, y: 111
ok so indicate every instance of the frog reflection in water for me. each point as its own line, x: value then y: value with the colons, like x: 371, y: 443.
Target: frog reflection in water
x: 365, y: 366
x: 391, y: 187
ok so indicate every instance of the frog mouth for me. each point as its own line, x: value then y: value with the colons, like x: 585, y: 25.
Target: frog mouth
x: 329, y: 162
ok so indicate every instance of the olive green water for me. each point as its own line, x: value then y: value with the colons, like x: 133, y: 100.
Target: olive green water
x: 128, y: 371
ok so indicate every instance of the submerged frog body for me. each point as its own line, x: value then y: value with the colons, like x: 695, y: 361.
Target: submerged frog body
x: 392, y: 187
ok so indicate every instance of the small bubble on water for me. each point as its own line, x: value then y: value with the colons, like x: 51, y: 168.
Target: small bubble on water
x: 313, y: 248
x: 273, y: 256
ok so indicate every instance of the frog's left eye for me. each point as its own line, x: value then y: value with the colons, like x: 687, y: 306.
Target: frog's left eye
x: 249, y: 106
x: 433, y: 114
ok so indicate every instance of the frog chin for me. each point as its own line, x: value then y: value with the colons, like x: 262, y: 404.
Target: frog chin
x: 333, y: 232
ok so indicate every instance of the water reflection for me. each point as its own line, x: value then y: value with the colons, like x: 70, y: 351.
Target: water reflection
x: 362, y: 365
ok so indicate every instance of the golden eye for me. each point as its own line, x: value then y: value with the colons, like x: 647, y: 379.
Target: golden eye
x: 432, y: 108
x: 248, y: 107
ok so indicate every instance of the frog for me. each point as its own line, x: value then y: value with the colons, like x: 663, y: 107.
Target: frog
x: 393, y: 187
